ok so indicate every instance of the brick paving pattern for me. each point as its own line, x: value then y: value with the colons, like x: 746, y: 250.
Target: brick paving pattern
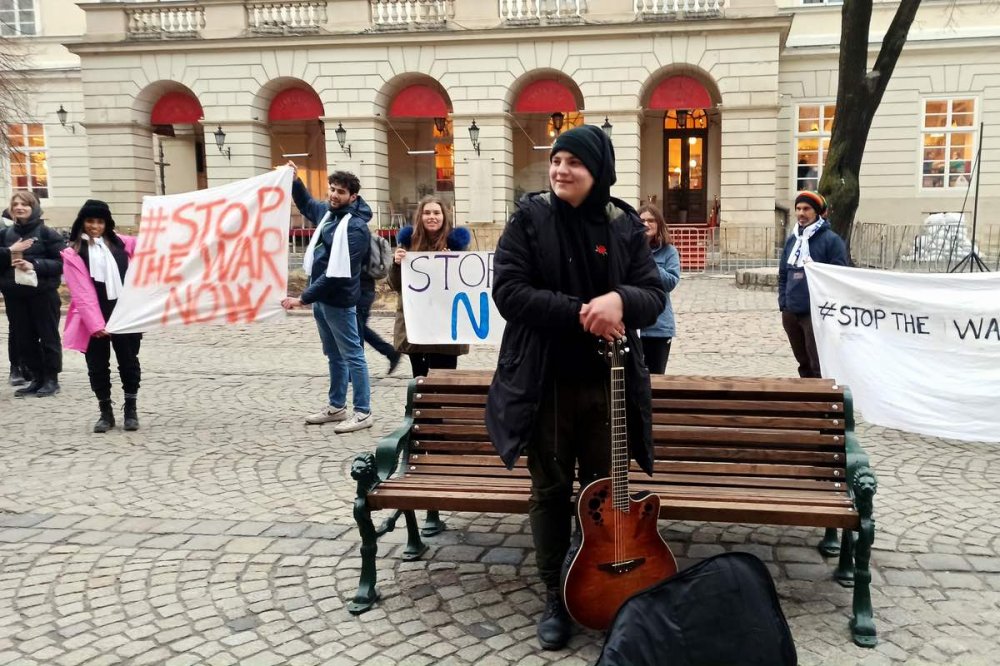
x: 222, y: 531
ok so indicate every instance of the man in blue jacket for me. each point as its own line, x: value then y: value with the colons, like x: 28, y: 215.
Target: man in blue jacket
x: 333, y: 260
x: 812, y: 240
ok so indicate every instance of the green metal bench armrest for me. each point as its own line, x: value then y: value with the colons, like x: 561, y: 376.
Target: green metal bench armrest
x: 393, y: 448
x: 861, y: 481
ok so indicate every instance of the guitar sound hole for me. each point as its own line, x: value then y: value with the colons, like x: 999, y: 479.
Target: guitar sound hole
x: 597, y: 518
x: 595, y: 504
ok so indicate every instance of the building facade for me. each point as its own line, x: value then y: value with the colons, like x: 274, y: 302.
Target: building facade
x: 719, y: 109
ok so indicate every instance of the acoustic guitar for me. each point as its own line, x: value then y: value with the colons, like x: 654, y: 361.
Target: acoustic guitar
x: 621, y: 550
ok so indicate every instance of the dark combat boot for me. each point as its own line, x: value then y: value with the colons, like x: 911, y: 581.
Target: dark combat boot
x: 107, y: 420
x: 49, y: 387
x: 554, y: 626
x: 30, y: 389
x: 131, y: 417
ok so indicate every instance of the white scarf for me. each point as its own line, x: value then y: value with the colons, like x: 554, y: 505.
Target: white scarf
x: 339, y: 264
x: 104, y: 268
x: 800, y: 251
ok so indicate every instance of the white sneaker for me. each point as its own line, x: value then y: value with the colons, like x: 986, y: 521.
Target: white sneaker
x: 328, y: 415
x: 358, y: 421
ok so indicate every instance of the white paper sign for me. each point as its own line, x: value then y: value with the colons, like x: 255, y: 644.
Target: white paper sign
x: 447, y: 298
x: 217, y: 256
x: 920, y: 352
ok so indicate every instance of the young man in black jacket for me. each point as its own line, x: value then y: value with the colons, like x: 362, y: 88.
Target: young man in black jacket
x: 572, y: 267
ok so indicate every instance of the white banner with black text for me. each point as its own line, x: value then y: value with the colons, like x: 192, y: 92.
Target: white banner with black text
x: 920, y: 352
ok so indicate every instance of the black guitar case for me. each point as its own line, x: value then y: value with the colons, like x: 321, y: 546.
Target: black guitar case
x: 723, y: 611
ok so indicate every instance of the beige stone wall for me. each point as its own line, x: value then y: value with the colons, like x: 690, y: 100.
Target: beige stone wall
x: 891, y: 175
x: 356, y: 80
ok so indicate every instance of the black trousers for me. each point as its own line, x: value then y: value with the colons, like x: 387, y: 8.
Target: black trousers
x: 34, y: 327
x: 421, y: 363
x: 799, y: 329
x: 374, y: 340
x: 99, y: 363
x: 573, y: 428
x: 656, y: 351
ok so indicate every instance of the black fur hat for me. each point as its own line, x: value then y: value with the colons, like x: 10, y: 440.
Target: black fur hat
x: 93, y: 208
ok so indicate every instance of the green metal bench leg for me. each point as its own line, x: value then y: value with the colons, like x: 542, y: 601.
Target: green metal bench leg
x: 364, y: 472
x: 433, y: 524
x: 863, y: 624
x: 829, y: 546
x: 845, y: 566
x: 415, y: 548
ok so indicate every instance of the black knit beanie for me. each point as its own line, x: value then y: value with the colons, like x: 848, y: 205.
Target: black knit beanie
x: 92, y: 208
x: 592, y: 147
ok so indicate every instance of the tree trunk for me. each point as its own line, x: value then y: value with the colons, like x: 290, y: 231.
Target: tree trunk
x: 859, y: 93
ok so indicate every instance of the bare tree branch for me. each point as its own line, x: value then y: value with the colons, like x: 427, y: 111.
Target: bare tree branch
x: 13, y: 89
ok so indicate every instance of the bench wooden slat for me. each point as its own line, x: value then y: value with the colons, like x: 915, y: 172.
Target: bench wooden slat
x: 713, y: 453
x: 682, y: 509
x: 636, y: 476
x: 743, y: 469
x: 754, y: 406
x: 449, y: 399
x: 707, y: 453
x: 522, y: 484
x: 731, y: 420
x: 421, y: 414
x: 663, y: 433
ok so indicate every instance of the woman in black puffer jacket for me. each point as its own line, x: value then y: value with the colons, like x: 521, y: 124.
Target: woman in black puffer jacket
x: 30, y: 272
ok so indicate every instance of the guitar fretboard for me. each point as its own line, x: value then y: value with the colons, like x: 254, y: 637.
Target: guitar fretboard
x: 619, y: 437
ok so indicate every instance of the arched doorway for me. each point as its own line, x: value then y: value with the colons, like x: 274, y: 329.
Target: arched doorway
x: 178, y: 143
x: 544, y: 108
x: 679, y: 133
x: 421, y: 149
x: 297, y: 134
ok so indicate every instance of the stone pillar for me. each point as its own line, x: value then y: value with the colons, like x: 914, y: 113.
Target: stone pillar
x: 626, y: 135
x: 121, y: 167
x: 496, y: 146
x: 249, y: 151
x: 749, y: 160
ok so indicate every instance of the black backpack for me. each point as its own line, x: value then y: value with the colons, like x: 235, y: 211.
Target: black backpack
x: 721, y: 611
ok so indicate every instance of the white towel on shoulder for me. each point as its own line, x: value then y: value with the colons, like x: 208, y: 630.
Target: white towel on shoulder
x: 339, y: 265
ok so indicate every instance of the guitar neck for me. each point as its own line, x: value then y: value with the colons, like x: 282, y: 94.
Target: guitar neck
x: 619, y: 440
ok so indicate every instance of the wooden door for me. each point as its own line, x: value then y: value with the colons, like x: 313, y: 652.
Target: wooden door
x: 685, y: 195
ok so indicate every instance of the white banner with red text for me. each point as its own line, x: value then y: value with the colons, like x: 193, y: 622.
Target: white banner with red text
x: 920, y: 352
x: 216, y: 256
x: 447, y: 299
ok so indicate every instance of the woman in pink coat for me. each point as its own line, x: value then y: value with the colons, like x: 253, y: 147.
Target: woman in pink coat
x: 94, y: 266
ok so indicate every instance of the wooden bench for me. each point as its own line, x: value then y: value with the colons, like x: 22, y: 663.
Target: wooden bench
x: 727, y: 449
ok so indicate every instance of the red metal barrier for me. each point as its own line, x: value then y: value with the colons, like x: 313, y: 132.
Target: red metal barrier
x: 692, y: 244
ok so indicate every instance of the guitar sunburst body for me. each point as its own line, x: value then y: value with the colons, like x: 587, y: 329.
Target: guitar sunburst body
x: 621, y: 550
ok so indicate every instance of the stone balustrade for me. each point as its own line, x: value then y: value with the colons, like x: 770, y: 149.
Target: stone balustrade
x: 177, y: 21
x: 293, y: 17
x: 410, y: 13
x: 226, y: 19
x: 652, y: 9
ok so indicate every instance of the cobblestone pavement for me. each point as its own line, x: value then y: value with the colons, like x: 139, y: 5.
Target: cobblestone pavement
x: 222, y: 532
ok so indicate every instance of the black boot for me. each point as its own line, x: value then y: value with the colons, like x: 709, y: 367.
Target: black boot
x: 107, y: 420
x: 18, y: 377
x: 30, y: 389
x: 131, y: 418
x: 554, y: 625
x: 49, y: 387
